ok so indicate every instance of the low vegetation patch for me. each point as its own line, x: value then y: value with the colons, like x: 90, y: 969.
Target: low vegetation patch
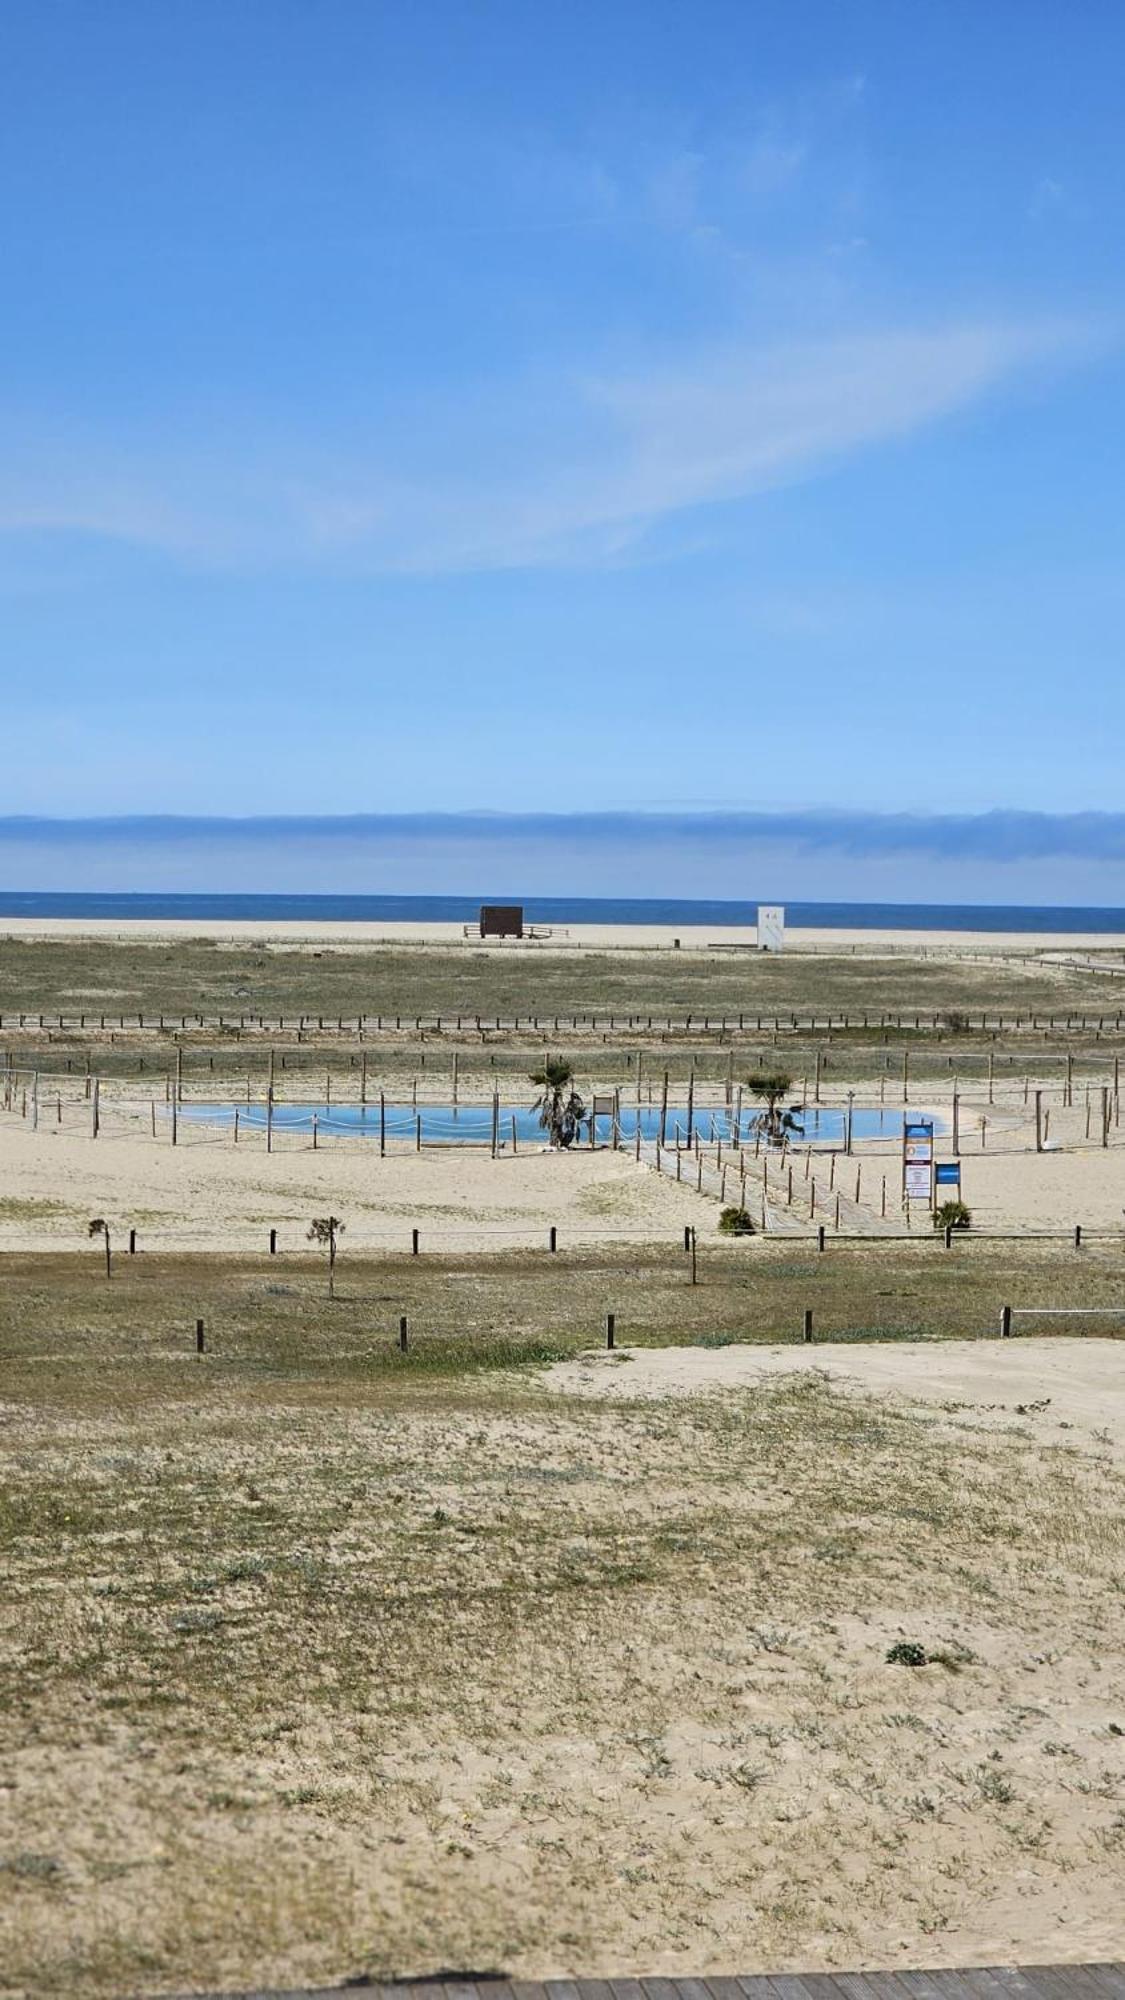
x: 373, y: 1667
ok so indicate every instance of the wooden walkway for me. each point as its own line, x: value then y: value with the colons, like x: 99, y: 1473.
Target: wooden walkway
x: 987, y: 1982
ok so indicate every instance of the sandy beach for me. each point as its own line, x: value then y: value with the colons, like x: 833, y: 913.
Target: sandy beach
x: 210, y: 1194
x: 600, y: 937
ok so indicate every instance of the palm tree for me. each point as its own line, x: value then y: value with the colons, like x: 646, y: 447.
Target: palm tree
x: 561, y: 1109
x: 325, y: 1229
x: 100, y: 1227
x: 774, y: 1124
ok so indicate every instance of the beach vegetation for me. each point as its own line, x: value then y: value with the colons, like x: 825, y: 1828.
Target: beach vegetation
x: 953, y: 1215
x: 775, y: 1124
x: 326, y: 1229
x: 561, y: 1109
x: 736, y: 1222
x: 100, y: 1227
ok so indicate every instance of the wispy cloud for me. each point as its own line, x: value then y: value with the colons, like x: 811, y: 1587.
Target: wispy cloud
x: 575, y: 469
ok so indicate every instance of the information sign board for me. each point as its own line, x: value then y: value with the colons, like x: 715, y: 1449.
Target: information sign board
x: 918, y: 1159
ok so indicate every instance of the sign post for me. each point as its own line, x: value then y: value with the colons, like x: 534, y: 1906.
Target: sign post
x: 918, y: 1160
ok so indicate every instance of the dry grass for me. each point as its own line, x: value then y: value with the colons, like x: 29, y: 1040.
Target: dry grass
x: 81, y: 974
x: 319, y: 1661
x: 66, y: 1335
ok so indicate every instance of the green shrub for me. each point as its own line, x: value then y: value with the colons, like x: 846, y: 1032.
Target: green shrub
x: 735, y: 1222
x: 907, y: 1653
x: 953, y: 1215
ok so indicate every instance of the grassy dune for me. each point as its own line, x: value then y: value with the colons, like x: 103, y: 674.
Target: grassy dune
x: 69, y: 1336
x: 197, y: 975
x: 318, y: 1661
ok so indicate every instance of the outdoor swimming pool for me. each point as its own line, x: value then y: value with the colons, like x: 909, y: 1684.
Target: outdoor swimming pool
x: 471, y: 1124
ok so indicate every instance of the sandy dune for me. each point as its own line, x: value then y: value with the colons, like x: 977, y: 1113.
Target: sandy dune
x: 1056, y: 1385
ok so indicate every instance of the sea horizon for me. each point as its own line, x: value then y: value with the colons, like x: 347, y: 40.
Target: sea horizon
x: 220, y: 906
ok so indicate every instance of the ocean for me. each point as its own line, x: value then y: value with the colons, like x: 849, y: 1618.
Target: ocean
x: 560, y: 910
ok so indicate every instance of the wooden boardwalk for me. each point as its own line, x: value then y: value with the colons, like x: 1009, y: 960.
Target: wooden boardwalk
x: 983, y: 1982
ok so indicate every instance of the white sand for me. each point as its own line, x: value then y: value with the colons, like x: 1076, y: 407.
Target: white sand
x: 160, y: 930
x: 1047, y: 1191
x: 207, y: 1193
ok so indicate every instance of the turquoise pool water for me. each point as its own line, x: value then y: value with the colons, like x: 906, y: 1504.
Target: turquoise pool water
x: 471, y: 1124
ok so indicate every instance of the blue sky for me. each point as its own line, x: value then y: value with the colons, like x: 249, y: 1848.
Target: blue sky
x: 444, y: 407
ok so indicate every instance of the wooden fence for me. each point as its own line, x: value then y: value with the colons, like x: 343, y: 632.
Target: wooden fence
x: 363, y: 1025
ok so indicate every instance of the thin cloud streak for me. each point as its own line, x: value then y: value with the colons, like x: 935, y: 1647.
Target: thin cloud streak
x: 592, y: 465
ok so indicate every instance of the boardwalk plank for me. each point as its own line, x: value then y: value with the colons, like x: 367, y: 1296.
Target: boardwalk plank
x: 1083, y: 1984
x: 1014, y: 1982
x: 725, y: 1988
x: 1110, y: 1978
x: 993, y: 1982
x: 773, y: 1986
x: 858, y: 1985
x: 1048, y: 1982
x: 930, y: 1985
x: 627, y: 1989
